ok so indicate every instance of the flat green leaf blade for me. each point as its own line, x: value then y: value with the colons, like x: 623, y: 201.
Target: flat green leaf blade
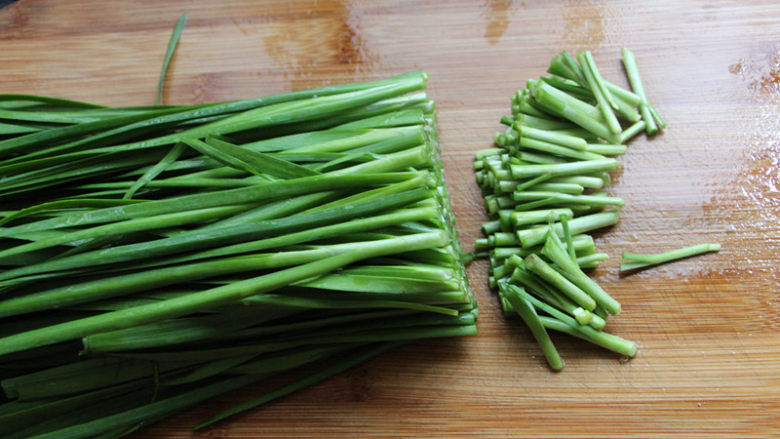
x: 172, y: 43
x: 260, y: 163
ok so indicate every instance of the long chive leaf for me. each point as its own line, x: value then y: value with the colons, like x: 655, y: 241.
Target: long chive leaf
x: 155, y: 170
x: 172, y: 43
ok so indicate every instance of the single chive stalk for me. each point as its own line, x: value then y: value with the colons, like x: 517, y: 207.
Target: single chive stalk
x: 592, y: 260
x: 524, y: 218
x: 632, y: 71
x: 526, y: 312
x: 555, y: 137
x: 602, y: 86
x: 567, y: 236
x: 605, y: 103
x: 557, y: 149
x: 605, y: 149
x: 661, y: 123
x: 630, y: 132
x: 560, y: 198
x: 564, y: 188
x: 564, y: 169
x: 542, y: 123
x: 621, y: 93
x: 174, y: 41
x: 634, y: 261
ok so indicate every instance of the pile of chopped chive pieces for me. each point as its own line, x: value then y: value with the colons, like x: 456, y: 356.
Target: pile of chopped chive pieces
x: 154, y: 257
x: 543, y: 190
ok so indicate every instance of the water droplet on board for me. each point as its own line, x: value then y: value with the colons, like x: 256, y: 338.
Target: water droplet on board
x: 760, y: 70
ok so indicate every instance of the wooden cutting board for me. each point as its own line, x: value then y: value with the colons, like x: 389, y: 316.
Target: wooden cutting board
x: 707, y: 327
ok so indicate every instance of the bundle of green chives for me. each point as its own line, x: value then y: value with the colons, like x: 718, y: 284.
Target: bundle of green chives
x: 154, y: 257
x: 543, y: 190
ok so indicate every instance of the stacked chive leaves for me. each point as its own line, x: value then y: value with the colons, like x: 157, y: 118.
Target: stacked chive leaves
x: 544, y: 192
x: 154, y: 257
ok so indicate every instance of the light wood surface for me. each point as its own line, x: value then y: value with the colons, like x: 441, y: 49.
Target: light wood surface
x: 707, y: 327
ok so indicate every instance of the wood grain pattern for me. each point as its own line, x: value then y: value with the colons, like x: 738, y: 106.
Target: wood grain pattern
x: 709, y: 361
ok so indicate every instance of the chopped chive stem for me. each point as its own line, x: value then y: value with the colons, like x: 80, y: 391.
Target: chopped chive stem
x: 533, y: 181
x: 534, y: 204
x: 573, y: 66
x: 591, y: 67
x: 578, y: 132
x: 559, y: 68
x: 567, y: 236
x: 503, y: 239
x: 526, y: 312
x: 563, y: 169
x: 634, y: 260
x: 543, y: 123
x: 526, y: 157
x: 618, y: 92
x: 524, y: 218
x: 491, y: 227
x: 557, y: 149
x: 524, y: 107
x: 626, y: 110
x: 569, y: 87
x: 589, y: 260
x: 562, y: 99
x: 651, y: 127
x: 484, y: 153
x: 555, y: 197
x: 582, y: 316
x: 582, y: 180
x: 605, y: 148
x: 596, y: 322
x: 604, y: 104
x: 566, y: 188
x: 661, y: 123
x: 632, y: 71
x: 630, y: 132
x: 565, y: 126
